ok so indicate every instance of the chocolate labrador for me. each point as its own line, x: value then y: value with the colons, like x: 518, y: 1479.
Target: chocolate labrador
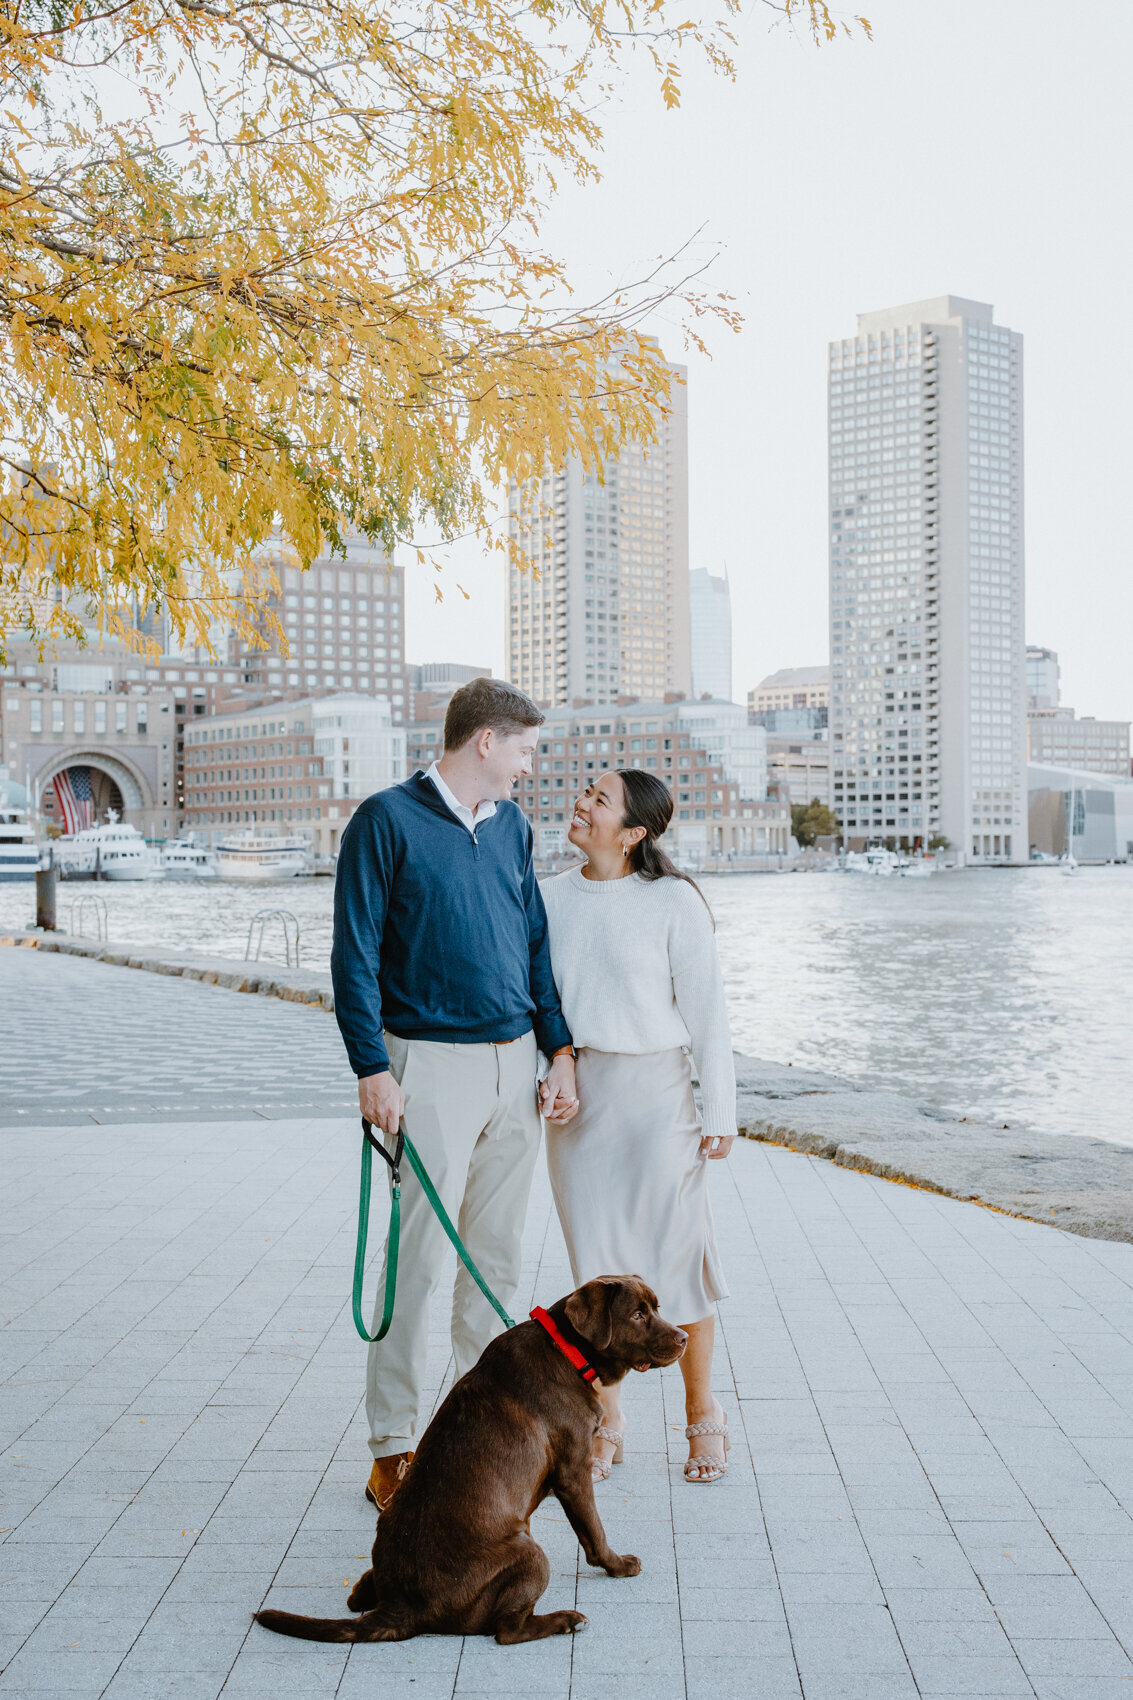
x: 454, y: 1553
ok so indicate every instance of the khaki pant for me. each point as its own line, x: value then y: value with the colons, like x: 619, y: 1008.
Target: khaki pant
x: 470, y: 1111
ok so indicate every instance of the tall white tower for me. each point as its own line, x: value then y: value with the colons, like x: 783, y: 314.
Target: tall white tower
x: 928, y: 691
x: 600, y: 607
x: 710, y: 643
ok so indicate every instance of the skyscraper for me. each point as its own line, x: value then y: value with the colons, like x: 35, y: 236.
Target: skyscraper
x: 600, y: 608
x: 710, y: 634
x: 928, y: 696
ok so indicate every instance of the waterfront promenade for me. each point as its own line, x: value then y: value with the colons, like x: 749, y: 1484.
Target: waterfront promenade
x: 931, y: 1489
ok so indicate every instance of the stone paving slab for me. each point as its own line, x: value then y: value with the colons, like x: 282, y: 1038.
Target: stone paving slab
x: 88, y: 1040
x: 931, y: 1491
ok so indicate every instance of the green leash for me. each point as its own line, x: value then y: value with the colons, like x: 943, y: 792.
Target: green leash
x: 404, y: 1147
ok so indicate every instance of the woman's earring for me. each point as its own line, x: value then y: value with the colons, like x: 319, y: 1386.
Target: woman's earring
x: 625, y: 849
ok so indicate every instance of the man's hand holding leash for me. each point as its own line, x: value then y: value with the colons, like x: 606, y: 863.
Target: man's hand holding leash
x: 381, y: 1101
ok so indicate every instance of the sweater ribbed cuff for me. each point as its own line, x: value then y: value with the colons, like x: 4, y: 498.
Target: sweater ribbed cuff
x: 552, y: 1035
x: 718, y: 1121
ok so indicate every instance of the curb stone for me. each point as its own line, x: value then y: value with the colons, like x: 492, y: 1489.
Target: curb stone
x: 292, y: 985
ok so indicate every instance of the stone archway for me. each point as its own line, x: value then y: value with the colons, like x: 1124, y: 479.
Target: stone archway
x: 132, y: 787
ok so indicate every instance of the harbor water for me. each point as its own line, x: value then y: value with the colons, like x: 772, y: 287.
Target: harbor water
x: 1006, y: 995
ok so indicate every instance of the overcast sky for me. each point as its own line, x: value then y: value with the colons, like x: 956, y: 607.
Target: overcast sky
x: 974, y: 147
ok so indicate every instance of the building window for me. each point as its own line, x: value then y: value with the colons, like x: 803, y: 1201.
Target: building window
x: 79, y: 716
x: 35, y: 712
x: 100, y: 717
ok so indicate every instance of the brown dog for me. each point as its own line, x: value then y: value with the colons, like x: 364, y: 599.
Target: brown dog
x: 454, y: 1553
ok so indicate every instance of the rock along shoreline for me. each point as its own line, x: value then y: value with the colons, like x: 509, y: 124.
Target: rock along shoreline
x: 1073, y: 1182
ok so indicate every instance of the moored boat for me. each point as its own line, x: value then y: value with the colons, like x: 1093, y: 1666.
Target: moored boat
x: 876, y: 860
x: 185, y: 859
x: 113, y: 851
x: 19, y: 854
x: 256, y: 856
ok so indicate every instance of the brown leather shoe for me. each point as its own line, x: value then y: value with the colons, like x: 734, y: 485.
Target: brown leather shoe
x: 386, y: 1477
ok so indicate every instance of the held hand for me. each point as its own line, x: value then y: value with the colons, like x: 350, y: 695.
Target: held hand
x: 381, y: 1100
x: 558, y: 1097
x: 718, y: 1146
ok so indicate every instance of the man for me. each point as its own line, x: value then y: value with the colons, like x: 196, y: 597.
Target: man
x: 444, y: 997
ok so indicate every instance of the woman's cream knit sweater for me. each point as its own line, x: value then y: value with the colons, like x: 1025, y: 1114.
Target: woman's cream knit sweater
x: 637, y: 971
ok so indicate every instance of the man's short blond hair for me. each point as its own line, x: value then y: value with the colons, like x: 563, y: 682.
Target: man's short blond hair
x: 487, y: 702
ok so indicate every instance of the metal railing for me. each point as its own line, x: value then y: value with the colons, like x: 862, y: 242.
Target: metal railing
x: 76, y: 924
x: 290, y: 927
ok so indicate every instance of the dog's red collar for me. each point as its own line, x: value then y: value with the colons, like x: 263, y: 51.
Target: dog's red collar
x: 571, y: 1353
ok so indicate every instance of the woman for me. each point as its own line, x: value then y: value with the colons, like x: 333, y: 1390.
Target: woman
x: 634, y: 959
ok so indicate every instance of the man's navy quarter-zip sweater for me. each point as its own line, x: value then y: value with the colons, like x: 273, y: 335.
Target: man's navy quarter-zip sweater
x: 439, y: 933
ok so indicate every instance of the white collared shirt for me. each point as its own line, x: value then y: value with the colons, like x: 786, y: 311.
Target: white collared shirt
x: 484, y: 811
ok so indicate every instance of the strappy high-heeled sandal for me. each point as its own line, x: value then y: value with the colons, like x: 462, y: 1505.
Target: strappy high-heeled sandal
x: 600, y: 1467
x: 718, y: 1466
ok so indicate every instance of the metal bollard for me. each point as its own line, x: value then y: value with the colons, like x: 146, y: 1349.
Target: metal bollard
x: 45, y: 899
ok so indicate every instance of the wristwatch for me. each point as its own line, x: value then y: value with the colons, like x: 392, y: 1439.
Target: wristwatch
x: 565, y: 1051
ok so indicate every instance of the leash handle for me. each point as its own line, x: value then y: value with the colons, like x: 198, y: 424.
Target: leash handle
x: 363, y: 1227
x: 404, y: 1147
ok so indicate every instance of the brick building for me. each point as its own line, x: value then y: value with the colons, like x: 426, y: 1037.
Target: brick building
x: 574, y: 746
x: 293, y: 768
x: 344, y: 622
x: 99, y: 710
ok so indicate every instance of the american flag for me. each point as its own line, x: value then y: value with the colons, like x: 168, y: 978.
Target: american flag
x: 72, y: 793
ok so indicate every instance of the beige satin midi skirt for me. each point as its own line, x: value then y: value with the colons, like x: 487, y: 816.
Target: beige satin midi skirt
x: 630, y: 1184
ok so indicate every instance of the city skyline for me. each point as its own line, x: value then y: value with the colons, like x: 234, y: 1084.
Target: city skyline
x: 986, y: 195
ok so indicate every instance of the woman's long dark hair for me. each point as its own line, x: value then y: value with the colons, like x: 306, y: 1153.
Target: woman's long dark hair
x: 649, y: 803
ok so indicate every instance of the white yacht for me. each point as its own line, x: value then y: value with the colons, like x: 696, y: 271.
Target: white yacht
x: 185, y: 859
x: 876, y: 860
x: 256, y: 856
x: 19, y: 854
x: 113, y: 851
